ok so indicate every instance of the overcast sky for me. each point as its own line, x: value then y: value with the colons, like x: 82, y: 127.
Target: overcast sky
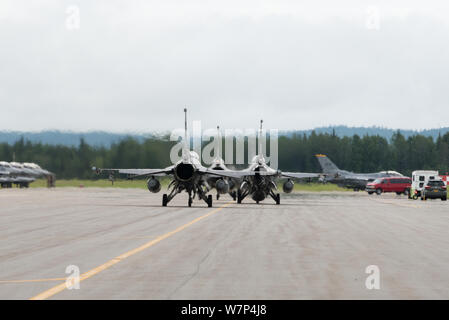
x: 132, y: 66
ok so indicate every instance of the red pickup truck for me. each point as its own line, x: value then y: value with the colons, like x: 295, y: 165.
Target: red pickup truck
x: 392, y: 184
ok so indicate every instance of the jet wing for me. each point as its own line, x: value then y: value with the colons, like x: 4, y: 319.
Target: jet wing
x: 359, y: 177
x: 237, y: 174
x: 300, y: 175
x: 247, y: 173
x: 137, y: 172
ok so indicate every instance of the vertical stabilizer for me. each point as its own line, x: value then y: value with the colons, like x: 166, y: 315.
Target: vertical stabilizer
x: 185, y: 146
x: 259, y: 151
x: 218, y: 142
x: 326, y: 164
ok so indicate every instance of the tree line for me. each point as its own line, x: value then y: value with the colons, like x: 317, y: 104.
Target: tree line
x: 295, y: 153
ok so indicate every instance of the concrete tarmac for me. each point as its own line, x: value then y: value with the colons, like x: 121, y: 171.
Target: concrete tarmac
x: 312, y: 246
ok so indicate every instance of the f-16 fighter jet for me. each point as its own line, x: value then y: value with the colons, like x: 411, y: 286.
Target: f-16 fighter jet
x: 37, y: 170
x: 223, y: 185
x: 188, y: 175
x: 347, y: 179
x: 14, y: 173
x: 6, y: 180
x: 259, y: 180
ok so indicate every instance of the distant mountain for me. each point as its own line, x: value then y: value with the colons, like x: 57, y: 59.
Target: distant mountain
x: 55, y: 137
x: 101, y: 138
x: 344, y: 131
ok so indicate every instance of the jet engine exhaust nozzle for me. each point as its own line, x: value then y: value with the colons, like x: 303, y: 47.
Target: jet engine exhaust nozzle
x: 184, y: 171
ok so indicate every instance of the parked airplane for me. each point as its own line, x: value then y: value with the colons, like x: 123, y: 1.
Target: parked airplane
x: 20, y: 174
x: 14, y: 173
x: 5, y: 178
x: 37, y: 170
x: 23, y: 170
x: 188, y: 175
x: 347, y: 179
x: 259, y: 180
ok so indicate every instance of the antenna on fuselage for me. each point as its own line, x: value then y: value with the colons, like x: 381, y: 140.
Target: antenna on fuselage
x: 185, y: 125
x: 260, y: 139
x: 218, y: 142
x: 185, y: 149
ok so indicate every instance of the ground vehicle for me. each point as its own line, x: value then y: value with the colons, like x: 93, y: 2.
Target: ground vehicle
x: 392, y: 184
x: 420, y: 178
x: 445, y: 178
x: 434, y: 189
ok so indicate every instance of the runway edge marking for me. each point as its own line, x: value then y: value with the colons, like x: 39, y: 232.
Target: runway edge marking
x: 60, y: 287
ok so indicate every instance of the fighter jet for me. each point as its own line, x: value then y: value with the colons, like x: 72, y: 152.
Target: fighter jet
x: 188, y: 175
x: 16, y: 174
x: 259, y: 180
x: 23, y: 170
x: 36, y: 169
x: 223, y: 185
x: 8, y: 168
x: 347, y: 179
x: 6, y: 180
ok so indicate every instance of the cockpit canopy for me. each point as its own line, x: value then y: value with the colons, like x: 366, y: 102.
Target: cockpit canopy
x: 194, y: 155
x: 31, y: 165
x: 258, y: 159
x: 392, y: 173
x: 17, y: 165
x: 5, y: 164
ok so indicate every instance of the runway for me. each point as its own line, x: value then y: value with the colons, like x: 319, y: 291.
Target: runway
x: 312, y: 246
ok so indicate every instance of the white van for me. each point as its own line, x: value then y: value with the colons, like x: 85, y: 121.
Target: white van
x: 420, y: 179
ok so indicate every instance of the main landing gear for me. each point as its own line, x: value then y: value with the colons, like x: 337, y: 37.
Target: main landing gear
x: 177, y: 188
x: 241, y: 195
x: 276, y: 197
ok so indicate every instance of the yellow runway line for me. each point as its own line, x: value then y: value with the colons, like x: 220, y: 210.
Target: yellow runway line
x: 60, y: 287
x: 32, y: 280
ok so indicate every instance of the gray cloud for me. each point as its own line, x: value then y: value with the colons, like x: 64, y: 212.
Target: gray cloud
x: 134, y: 66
